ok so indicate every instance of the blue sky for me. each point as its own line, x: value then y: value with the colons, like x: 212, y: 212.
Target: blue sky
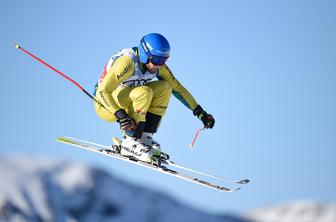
x: 265, y: 69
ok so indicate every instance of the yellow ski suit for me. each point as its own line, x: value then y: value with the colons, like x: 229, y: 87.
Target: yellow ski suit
x: 126, y: 84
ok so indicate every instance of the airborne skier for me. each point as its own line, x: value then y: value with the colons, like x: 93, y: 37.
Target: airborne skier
x: 128, y: 94
x: 127, y: 91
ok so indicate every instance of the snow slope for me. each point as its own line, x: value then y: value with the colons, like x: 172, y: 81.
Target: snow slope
x: 37, y: 190
x: 298, y: 211
x: 43, y: 190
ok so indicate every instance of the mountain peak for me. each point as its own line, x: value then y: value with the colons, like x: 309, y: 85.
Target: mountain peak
x: 43, y: 190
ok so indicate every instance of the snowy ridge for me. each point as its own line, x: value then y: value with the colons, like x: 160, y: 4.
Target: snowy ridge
x: 40, y: 190
x: 35, y: 190
x: 298, y: 211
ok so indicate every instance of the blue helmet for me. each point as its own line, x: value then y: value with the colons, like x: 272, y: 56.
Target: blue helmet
x: 155, y: 48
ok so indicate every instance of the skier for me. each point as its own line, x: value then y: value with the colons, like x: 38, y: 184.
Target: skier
x: 127, y: 94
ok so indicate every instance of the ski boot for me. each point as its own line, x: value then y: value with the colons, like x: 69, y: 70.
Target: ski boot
x: 135, y: 148
x: 116, y: 146
x: 147, y: 138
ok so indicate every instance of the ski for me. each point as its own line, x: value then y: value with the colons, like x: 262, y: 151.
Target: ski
x: 112, y: 151
x: 240, y: 181
x: 170, y: 163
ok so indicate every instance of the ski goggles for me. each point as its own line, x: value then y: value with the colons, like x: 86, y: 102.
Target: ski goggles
x: 155, y: 59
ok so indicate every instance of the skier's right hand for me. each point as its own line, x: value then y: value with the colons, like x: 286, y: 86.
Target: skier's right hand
x: 125, y: 121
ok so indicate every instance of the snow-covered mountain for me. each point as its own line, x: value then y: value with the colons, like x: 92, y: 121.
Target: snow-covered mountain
x: 40, y: 190
x: 298, y: 211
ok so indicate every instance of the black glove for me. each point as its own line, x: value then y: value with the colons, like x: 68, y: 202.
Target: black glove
x: 125, y: 121
x: 206, y: 118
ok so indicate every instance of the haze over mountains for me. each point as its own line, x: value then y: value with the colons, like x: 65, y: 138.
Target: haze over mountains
x: 43, y: 190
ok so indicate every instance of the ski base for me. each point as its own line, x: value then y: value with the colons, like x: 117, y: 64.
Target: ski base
x: 160, y: 165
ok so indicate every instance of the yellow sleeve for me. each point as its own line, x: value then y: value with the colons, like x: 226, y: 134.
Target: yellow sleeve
x: 179, y: 91
x: 122, y: 68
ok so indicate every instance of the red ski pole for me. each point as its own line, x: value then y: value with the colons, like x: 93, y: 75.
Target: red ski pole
x: 196, y: 135
x: 58, y: 72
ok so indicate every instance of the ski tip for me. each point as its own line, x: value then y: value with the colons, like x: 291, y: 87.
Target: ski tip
x: 17, y: 46
x: 59, y: 139
x: 62, y: 139
x: 243, y: 181
x: 230, y: 190
x: 236, y: 189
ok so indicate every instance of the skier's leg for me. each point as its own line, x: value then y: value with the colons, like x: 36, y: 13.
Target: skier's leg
x: 136, y: 101
x: 161, y: 96
x: 141, y: 98
x: 103, y: 113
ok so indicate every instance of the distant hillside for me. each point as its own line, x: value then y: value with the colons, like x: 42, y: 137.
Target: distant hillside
x: 36, y: 190
x: 39, y: 190
x: 299, y: 211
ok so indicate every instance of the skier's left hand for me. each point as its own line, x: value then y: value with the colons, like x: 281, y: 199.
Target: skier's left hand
x: 208, y: 121
x: 206, y: 118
